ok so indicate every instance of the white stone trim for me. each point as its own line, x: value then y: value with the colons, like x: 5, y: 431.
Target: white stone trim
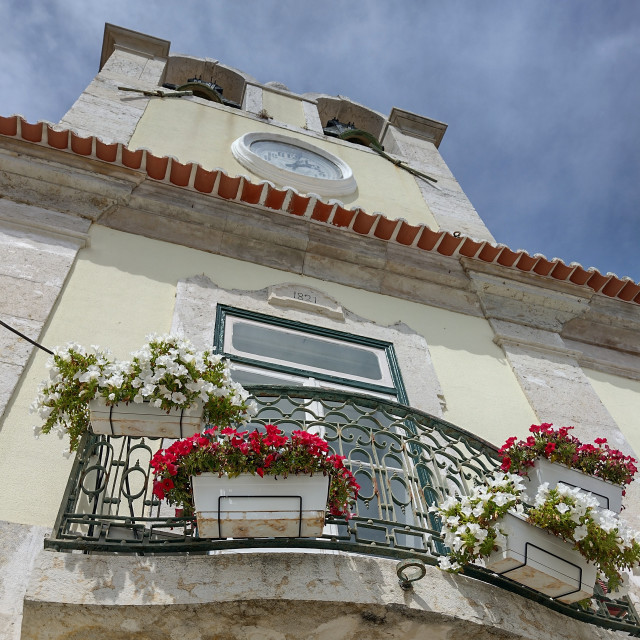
x: 252, y: 100
x: 195, y: 314
x: 311, y: 116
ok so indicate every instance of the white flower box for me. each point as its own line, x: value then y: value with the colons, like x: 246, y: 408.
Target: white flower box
x: 539, y: 560
x: 249, y: 506
x: 609, y: 495
x: 144, y: 420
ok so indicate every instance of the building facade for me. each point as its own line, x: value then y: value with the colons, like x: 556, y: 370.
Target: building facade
x: 321, y: 246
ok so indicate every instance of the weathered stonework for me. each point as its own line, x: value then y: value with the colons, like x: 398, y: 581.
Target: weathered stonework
x: 273, y: 596
x: 446, y: 201
x: 36, y: 256
x: 19, y: 546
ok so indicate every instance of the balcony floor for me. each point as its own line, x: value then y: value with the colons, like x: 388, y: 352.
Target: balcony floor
x: 272, y: 595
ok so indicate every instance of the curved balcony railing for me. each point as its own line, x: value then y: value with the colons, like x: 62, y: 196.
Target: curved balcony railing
x: 404, y: 460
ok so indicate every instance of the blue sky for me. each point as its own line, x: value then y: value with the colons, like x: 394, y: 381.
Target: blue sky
x: 542, y: 97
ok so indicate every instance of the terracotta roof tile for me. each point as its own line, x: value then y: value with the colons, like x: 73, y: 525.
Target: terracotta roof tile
x: 407, y: 233
x: 31, y: 132
x: 251, y: 193
x: 287, y: 201
x: 629, y: 291
x: 322, y: 211
x: 385, y: 228
x: 156, y: 166
x: 363, y: 222
x: 57, y: 139
x: 275, y: 198
x: 428, y: 239
x: 106, y: 152
x: 580, y: 275
x: 507, y: 258
x: 342, y: 217
x: 470, y: 247
x: 180, y: 174
x: 298, y: 204
x: 490, y: 252
x: 525, y: 262
x: 228, y: 186
x: 204, y: 180
x: 543, y: 267
x: 448, y: 244
x: 561, y: 271
x: 81, y: 146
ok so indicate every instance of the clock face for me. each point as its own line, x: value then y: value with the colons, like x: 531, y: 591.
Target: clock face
x: 293, y: 162
x: 296, y: 159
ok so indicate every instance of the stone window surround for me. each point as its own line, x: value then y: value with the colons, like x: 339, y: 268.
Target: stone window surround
x: 197, y: 299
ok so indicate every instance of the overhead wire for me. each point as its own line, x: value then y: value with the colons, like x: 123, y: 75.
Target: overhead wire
x: 27, y: 338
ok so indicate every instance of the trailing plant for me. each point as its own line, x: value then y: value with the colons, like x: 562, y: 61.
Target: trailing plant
x: 167, y: 372
x: 557, y: 445
x: 470, y: 523
x: 471, y: 526
x: 229, y: 451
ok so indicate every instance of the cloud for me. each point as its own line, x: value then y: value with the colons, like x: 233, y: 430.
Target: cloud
x: 541, y: 97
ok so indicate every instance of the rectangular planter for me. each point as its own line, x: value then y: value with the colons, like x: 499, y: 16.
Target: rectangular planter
x: 144, y: 420
x: 249, y: 506
x: 542, y: 561
x: 609, y: 495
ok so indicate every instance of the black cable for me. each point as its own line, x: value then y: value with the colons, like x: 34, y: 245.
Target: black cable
x: 33, y: 342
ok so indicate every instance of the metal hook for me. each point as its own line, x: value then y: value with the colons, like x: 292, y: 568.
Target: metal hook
x: 404, y: 578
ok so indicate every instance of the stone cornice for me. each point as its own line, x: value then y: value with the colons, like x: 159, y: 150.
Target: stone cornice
x: 294, y: 238
x: 115, y: 36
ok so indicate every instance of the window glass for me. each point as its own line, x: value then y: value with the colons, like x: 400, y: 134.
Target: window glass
x: 305, y: 351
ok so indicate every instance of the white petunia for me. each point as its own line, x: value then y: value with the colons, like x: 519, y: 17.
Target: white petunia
x: 580, y: 533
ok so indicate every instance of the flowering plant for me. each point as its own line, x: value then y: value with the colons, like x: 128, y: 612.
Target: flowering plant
x: 558, y: 446
x: 471, y: 526
x: 226, y: 450
x: 167, y: 372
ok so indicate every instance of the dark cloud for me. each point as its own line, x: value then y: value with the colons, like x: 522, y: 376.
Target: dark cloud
x: 541, y: 97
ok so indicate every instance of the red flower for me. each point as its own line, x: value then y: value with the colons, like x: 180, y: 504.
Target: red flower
x: 506, y: 464
x: 549, y: 449
x: 172, y: 469
x: 260, y: 472
x: 158, y: 491
x: 167, y: 484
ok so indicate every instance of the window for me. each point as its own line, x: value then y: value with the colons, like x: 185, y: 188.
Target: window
x: 267, y: 350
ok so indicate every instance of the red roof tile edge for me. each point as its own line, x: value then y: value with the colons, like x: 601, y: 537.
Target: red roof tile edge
x: 289, y: 201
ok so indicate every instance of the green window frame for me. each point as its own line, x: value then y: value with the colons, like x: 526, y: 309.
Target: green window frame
x: 386, y: 349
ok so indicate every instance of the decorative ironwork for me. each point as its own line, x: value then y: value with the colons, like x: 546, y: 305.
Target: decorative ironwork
x: 405, y: 461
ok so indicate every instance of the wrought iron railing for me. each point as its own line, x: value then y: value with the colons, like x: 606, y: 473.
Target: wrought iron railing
x: 404, y: 460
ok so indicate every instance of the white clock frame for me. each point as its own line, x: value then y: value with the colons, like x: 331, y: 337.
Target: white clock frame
x: 241, y: 149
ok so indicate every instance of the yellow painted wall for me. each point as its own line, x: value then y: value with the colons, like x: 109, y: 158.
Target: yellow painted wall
x: 200, y: 133
x: 123, y: 288
x: 621, y: 397
x: 283, y: 108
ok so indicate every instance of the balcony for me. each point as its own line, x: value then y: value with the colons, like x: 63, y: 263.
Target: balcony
x: 404, y: 460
